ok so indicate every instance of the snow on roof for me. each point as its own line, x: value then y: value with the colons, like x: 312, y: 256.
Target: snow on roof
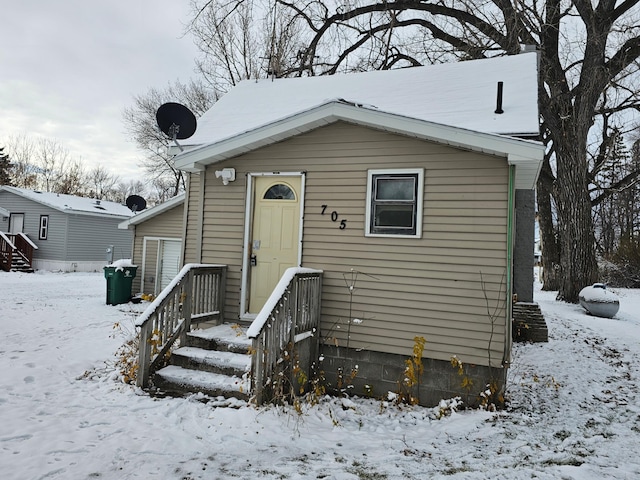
x: 459, y: 94
x: 152, y: 212
x: 71, y: 203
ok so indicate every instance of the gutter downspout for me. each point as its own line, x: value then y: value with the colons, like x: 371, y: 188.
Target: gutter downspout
x: 506, y: 357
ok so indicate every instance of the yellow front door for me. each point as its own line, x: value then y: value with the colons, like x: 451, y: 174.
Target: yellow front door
x: 275, y: 235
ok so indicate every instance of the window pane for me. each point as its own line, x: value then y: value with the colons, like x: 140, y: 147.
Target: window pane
x: 399, y: 188
x: 44, y: 227
x: 396, y: 216
x: 280, y: 192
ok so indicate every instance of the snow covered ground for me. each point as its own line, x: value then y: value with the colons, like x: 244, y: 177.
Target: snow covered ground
x: 574, y: 410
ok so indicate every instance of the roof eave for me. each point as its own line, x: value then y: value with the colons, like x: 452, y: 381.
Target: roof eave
x: 152, y: 212
x: 527, y: 155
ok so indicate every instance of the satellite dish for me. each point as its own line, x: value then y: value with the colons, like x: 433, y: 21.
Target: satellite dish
x: 136, y: 203
x: 176, y: 121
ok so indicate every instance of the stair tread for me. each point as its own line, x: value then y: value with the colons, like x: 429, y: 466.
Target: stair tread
x: 203, y: 380
x: 227, y: 333
x: 237, y: 361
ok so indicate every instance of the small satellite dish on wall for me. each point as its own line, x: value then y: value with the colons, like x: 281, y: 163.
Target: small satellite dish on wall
x: 176, y: 121
x: 136, y: 203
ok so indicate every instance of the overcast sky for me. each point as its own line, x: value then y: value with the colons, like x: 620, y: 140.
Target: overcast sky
x: 68, y: 68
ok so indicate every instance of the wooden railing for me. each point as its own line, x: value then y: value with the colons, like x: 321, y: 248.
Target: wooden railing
x: 12, y: 245
x: 25, y: 247
x: 196, y: 295
x: 6, y: 252
x: 291, y: 315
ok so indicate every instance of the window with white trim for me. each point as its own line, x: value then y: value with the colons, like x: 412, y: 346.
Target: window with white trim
x: 394, y: 202
x: 44, y: 227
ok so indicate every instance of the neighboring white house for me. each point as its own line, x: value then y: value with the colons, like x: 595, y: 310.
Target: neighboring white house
x: 71, y: 233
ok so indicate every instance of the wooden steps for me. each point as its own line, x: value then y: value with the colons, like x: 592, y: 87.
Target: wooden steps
x: 215, y: 362
x: 529, y: 324
x: 19, y: 264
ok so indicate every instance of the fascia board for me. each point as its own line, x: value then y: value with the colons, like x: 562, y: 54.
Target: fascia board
x: 152, y: 212
x: 521, y: 151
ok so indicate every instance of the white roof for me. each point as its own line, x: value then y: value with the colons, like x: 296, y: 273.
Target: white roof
x: 461, y: 94
x: 449, y: 103
x: 71, y: 203
x: 4, y: 212
x: 152, y: 212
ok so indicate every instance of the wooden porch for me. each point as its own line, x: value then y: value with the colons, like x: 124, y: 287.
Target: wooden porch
x: 16, y: 252
x: 186, y: 345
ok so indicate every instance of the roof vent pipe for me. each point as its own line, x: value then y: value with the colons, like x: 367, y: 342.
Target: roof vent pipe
x: 499, y: 99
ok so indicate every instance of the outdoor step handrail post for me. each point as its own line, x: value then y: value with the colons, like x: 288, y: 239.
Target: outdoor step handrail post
x: 279, y: 326
x: 171, y: 315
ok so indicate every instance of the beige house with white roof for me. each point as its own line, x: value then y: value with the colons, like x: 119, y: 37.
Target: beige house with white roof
x: 157, y: 244
x: 400, y: 186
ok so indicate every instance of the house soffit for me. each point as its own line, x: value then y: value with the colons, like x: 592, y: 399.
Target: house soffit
x: 527, y: 155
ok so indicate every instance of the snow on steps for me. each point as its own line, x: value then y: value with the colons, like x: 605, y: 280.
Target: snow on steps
x: 178, y: 380
x: 214, y: 362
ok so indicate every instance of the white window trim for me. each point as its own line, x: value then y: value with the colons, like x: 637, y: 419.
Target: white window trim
x: 249, y: 203
x: 419, y: 200
x: 44, y: 227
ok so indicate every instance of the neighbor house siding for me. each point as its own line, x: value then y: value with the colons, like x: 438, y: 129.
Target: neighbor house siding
x: 54, y: 246
x: 440, y: 286
x: 167, y: 225
x: 89, y: 237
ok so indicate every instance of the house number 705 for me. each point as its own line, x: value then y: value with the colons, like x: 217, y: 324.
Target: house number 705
x: 334, y: 217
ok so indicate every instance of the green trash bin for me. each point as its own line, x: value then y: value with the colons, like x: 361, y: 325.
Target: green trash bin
x: 119, y: 281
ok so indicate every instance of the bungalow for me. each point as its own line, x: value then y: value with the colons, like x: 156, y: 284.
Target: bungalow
x: 70, y: 233
x: 157, y: 244
x: 404, y: 188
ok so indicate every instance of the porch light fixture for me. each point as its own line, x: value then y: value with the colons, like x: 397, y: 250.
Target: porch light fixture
x: 227, y: 175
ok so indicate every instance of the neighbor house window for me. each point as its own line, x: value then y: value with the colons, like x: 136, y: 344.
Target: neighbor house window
x: 44, y: 227
x: 394, y: 202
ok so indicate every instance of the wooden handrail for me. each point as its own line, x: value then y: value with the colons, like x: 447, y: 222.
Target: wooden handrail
x: 6, y: 252
x: 15, y: 244
x: 25, y: 247
x: 196, y: 295
x: 290, y: 315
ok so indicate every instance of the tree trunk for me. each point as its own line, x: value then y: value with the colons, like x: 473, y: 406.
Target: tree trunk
x: 551, y: 277
x: 578, y: 263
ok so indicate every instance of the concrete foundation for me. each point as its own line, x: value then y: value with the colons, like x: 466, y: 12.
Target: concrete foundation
x: 379, y: 373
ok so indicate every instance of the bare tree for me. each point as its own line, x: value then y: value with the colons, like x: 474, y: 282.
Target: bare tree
x: 23, y: 171
x: 101, y: 183
x: 588, y: 68
x: 51, y: 158
x: 72, y: 179
x: 242, y: 40
x: 140, y: 120
x: 126, y: 188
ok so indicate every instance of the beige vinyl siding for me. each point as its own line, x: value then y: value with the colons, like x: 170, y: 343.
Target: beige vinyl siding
x: 430, y: 286
x: 192, y: 220
x: 165, y: 225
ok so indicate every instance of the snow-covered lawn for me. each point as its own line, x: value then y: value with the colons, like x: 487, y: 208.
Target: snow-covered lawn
x: 574, y: 410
